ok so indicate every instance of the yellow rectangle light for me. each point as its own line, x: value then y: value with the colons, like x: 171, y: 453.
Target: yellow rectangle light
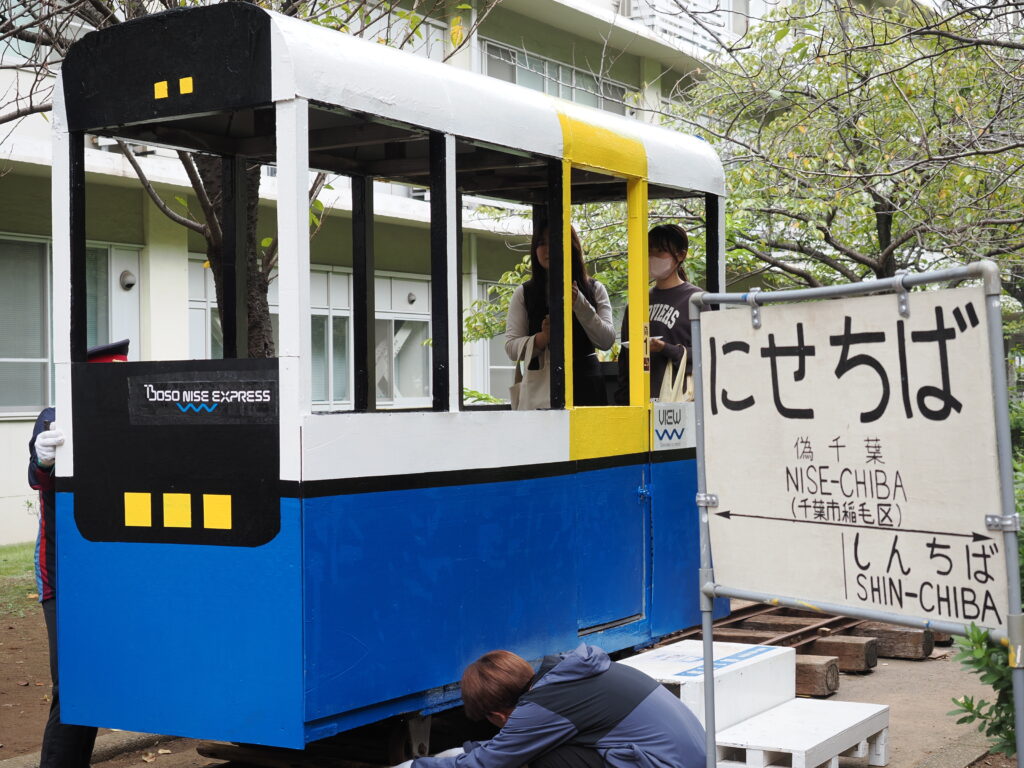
x: 138, y: 510
x: 160, y: 90
x: 177, y: 510
x: 185, y: 85
x: 217, y: 511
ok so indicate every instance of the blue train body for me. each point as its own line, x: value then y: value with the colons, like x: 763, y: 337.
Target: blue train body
x: 368, y: 605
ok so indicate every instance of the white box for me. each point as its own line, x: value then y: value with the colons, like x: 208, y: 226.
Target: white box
x: 749, y: 679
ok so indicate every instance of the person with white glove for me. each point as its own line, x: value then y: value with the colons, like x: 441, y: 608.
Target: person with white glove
x: 47, y: 443
x: 64, y: 746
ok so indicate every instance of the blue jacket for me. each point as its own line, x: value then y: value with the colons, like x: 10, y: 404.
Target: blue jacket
x: 584, y: 699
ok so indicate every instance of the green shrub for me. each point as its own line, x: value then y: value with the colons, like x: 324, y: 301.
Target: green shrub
x: 979, y: 654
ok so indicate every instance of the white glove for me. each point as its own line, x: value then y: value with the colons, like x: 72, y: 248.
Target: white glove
x: 46, y: 446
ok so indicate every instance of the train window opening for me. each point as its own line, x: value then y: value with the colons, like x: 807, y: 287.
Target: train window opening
x: 389, y: 350
x: 600, y: 214
x: 508, y: 180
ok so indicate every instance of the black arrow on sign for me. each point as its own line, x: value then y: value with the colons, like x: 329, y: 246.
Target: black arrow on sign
x: 728, y: 515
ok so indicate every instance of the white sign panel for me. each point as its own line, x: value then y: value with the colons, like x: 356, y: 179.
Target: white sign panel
x: 853, y: 452
x: 673, y: 426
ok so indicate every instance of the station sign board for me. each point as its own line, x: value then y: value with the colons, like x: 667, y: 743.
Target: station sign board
x: 853, y: 453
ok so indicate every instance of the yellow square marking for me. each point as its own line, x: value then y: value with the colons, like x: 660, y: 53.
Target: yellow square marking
x: 216, y: 511
x: 160, y: 90
x: 177, y: 510
x: 138, y: 510
x: 185, y: 85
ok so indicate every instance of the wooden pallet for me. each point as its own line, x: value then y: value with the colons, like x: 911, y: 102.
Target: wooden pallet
x: 825, y: 644
x: 804, y: 733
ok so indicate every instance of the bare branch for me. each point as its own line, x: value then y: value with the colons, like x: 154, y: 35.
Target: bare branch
x: 195, y: 226
x: 17, y: 114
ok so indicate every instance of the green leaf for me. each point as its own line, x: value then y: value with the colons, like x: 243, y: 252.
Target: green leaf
x: 266, y: 242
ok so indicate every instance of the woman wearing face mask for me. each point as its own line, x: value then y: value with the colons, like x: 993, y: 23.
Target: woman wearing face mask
x: 591, y: 319
x: 669, y: 308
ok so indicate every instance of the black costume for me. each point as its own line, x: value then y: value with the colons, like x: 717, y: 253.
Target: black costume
x: 670, y: 319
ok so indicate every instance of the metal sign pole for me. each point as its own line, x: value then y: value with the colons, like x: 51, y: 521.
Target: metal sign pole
x: 707, y: 576
x: 1009, y: 522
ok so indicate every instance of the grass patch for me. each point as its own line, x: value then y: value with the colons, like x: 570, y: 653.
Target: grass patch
x: 17, y: 579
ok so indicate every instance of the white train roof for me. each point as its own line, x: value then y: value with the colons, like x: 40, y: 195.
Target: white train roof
x: 205, y: 78
x: 320, y: 64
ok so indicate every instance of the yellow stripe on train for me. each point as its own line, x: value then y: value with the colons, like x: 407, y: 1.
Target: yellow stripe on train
x: 138, y: 510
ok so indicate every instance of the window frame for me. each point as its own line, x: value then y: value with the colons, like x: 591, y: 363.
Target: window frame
x: 601, y: 81
x: 19, y: 413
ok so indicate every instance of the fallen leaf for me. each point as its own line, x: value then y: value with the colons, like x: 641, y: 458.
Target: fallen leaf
x: 40, y: 683
x: 32, y: 595
x: 23, y: 682
x: 149, y: 757
x: 163, y: 751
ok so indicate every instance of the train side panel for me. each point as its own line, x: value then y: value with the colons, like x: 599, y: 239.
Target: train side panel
x: 197, y: 640
x: 402, y: 588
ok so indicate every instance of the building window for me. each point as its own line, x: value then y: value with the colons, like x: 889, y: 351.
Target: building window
x: 330, y: 325
x: 97, y: 295
x: 25, y: 334
x: 24, y: 326
x: 415, y: 34
x: 205, y: 338
x: 552, y: 77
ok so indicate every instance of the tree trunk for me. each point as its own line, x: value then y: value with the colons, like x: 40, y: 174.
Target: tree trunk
x: 884, y: 214
x: 261, y: 334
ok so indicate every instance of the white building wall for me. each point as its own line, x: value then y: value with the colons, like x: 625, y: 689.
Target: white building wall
x: 19, y: 506
x: 164, y: 287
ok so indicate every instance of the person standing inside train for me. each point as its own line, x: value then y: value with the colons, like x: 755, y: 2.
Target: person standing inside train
x: 669, y: 309
x: 592, y: 328
x: 579, y: 710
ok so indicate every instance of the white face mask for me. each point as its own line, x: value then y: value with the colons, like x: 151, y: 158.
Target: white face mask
x: 659, y: 267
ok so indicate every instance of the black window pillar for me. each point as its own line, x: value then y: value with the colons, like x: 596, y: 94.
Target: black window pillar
x: 440, y: 353
x: 364, y: 396
x: 76, y: 228
x: 234, y: 315
x: 556, y: 283
x: 714, y: 221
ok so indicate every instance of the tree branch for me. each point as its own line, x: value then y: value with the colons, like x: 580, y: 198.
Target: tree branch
x: 209, y: 211
x: 17, y: 114
x: 195, y: 226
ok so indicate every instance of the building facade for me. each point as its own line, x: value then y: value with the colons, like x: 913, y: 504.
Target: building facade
x: 148, y: 277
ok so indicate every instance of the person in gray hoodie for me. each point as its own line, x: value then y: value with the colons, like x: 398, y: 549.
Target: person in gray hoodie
x: 579, y: 710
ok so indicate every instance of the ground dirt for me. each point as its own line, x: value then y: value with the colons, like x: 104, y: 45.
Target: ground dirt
x: 995, y: 761
x: 180, y: 753
x: 24, y: 659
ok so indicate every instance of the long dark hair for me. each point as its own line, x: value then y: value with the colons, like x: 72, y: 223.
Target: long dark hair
x: 539, y: 275
x: 671, y: 238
